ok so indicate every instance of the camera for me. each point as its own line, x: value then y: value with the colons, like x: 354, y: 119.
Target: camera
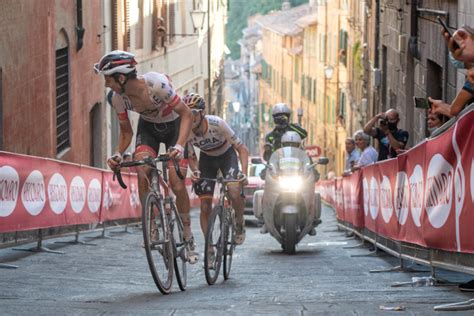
x: 383, y: 121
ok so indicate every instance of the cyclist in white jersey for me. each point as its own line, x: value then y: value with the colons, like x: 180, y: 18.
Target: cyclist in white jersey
x: 218, y: 145
x: 163, y: 119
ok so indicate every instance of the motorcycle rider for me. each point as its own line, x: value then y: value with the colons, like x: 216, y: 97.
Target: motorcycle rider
x: 281, y: 117
x: 293, y: 139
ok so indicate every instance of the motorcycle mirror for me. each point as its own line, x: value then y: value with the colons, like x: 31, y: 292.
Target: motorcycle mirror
x: 323, y: 161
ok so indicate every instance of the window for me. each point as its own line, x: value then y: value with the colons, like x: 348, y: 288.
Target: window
x: 96, y: 120
x: 120, y: 24
x: 343, y: 39
x: 297, y: 69
x: 62, y: 100
x: 139, y: 26
x: 342, y: 105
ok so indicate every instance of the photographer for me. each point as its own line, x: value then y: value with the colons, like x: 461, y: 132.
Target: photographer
x: 390, y: 137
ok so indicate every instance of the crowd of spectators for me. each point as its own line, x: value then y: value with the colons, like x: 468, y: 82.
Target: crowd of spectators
x: 383, y: 127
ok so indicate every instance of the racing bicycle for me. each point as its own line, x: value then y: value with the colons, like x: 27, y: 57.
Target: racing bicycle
x: 220, y: 235
x: 162, y: 226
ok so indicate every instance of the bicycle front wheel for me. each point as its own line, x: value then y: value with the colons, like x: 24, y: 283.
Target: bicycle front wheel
x: 180, y: 254
x: 214, y: 245
x: 158, y: 242
x: 229, y: 241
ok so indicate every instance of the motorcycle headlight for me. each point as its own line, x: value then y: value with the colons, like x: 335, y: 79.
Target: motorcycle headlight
x: 290, y: 183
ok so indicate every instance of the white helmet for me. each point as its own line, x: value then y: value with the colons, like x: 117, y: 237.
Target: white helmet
x: 291, y: 138
x: 281, y: 108
x: 116, y: 62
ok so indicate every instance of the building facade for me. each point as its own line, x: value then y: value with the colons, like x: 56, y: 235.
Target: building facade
x: 51, y: 100
x: 52, y: 104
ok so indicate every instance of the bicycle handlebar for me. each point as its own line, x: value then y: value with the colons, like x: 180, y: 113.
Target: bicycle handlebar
x: 147, y: 161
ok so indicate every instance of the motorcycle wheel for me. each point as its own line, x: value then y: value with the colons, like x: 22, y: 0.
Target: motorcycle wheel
x: 289, y: 240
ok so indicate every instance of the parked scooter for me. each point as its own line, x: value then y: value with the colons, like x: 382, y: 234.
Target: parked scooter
x: 288, y: 204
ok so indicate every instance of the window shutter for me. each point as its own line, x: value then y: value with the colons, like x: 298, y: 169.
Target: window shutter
x: 115, y: 25
x: 126, y: 39
x: 62, y: 100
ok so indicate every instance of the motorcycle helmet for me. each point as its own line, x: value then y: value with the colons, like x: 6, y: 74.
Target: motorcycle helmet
x: 116, y: 62
x: 291, y: 139
x: 281, y: 114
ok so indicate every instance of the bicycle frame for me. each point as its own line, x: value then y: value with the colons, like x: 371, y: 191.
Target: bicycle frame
x: 169, y: 246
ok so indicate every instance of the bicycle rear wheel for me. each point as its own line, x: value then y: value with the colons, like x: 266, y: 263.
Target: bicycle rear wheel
x: 180, y: 254
x: 158, y: 242
x: 214, y: 245
x: 229, y: 241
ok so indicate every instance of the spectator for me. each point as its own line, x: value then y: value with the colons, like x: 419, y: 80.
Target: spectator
x: 390, y: 137
x: 353, y: 154
x: 464, y: 37
x: 368, y: 153
x: 434, y: 121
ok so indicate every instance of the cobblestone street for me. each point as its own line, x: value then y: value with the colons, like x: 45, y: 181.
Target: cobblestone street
x: 113, y: 278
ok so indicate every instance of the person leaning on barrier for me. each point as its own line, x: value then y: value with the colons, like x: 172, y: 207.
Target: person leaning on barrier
x: 281, y: 117
x: 435, y: 121
x: 462, y: 57
x: 390, y: 137
x: 353, y: 154
x: 368, y: 153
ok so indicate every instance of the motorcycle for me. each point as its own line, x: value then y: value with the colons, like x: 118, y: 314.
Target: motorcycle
x: 289, y: 205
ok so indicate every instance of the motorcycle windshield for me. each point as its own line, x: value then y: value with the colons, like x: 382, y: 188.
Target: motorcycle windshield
x: 289, y: 160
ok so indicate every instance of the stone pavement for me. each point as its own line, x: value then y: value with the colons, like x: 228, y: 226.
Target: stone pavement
x: 113, y: 278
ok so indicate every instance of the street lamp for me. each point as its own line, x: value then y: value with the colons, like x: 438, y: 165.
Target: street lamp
x: 197, y: 18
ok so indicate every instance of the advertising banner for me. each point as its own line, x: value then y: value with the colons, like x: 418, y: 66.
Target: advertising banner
x: 424, y: 196
x: 353, y: 211
x: 38, y: 193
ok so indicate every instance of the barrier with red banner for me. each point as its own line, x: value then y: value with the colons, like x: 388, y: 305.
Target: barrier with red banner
x: 40, y: 193
x: 425, y: 196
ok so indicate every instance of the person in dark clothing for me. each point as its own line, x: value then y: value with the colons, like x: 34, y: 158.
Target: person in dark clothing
x: 390, y: 137
x: 281, y: 117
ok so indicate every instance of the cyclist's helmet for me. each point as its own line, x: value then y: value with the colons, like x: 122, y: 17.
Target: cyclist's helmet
x: 116, y: 62
x: 194, y: 101
x: 291, y: 139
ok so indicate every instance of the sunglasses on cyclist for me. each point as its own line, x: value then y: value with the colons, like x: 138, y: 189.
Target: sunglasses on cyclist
x: 195, y: 111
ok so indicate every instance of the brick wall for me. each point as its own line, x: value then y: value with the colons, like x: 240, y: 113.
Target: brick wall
x: 30, y: 37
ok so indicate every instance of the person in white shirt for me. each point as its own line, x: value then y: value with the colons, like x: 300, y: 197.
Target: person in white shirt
x: 220, y: 149
x: 353, y: 153
x: 368, y: 153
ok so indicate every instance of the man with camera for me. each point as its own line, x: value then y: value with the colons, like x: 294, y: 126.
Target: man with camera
x: 390, y: 137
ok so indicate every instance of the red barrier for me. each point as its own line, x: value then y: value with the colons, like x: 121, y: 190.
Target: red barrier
x: 40, y: 193
x: 425, y: 196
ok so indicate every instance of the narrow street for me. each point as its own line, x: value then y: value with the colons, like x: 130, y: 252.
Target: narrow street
x: 113, y: 278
